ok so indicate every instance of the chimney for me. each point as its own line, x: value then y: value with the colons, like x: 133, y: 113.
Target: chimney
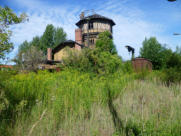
x: 78, y: 38
x: 49, y: 54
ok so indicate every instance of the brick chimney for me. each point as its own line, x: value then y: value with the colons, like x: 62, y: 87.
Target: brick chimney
x: 49, y: 54
x: 78, y: 38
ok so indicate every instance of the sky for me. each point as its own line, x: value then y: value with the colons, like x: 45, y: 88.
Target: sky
x: 135, y: 20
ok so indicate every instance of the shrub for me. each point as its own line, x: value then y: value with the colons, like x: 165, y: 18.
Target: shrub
x: 91, y: 60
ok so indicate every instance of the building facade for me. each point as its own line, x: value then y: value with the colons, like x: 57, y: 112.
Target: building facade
x: 85, y: 35
x: 90, y: 26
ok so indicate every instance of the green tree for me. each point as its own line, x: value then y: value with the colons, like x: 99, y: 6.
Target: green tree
x: 47, y: 40
x: 35, y: 42
x: 155, y: 52
x: 100, y: 60
x: 24, y: 46
x: 60, y: 36
x: 7, y: 18
x: 105, y: 43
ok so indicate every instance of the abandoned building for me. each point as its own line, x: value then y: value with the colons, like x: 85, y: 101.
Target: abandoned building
x: 85, y: 35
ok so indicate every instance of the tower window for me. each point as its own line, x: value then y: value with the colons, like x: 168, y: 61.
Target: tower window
x: 90, y: 25
x: 91, y: 41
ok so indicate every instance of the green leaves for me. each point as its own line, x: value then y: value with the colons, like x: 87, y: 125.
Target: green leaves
x: 52, y: 37
x: 7, y: 18
x: 102, y: 59
x: 105, y: 43
x: 154, y: 51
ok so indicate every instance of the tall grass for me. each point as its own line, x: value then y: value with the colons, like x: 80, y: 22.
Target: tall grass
x: 66, y: 95
x: 74, y: 103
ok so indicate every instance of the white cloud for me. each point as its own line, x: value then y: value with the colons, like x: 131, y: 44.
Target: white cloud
x: 130, y: 28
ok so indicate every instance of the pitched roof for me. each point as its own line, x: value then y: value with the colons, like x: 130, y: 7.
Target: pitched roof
x: 70, y: 43
x: 95, y: 16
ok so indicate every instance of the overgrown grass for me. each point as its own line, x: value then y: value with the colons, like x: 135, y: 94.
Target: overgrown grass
x: 74, y: 103
x: 68, y: 94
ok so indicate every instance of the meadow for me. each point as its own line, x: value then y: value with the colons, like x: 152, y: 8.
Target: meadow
x: 74, y: 103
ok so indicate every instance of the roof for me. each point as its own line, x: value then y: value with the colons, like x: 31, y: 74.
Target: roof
x: 70, y: 43
x: 140, y: 58
x: 95, y: 16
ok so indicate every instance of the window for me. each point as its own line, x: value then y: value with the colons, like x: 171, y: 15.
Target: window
x: 90, y: 25
x: 91, y: 41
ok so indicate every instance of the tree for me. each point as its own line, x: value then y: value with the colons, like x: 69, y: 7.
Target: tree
x: 30, y: 59
x: 47, y: 38
x: 155, y: 52
x: 24, y: 46
x: 101, y: 60
x: 105, y: 43
x: 60, y: 36
x: 35, y: 42
x: 52, y: 37
x: 7, y: 18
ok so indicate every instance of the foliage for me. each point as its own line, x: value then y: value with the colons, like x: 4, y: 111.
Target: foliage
x: 100, y: 60
x: 52, y: 37
x: 47, y: 38
x: 172, y: 73
x: 24, y: 47
x: 105, y: 43
x: 35, y: 42
x: 91, y: 60
x: 30, y: 58
x: 127, y: 67
x: 59, y: 36
x: 29, y: 94
x: 7, y: 18
x: 75, y: 100
x: 154, y: 51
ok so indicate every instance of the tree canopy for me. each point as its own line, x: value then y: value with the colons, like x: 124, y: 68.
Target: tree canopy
x: 105, y: 43
x: 51, y: 37
x: 7, y: 18
x: 154, y: 51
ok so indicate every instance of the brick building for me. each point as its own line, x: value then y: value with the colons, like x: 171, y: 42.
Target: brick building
x: 85, y: 35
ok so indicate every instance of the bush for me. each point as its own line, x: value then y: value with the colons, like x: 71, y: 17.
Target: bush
x: 172, y: 72
x: 172, y: 75
x: 91, y: 60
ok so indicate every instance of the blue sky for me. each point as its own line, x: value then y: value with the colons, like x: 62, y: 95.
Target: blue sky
x: 135, y: 20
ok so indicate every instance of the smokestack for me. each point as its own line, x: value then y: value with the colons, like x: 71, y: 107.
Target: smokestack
x: 78, y: 38
x: 49, y: 54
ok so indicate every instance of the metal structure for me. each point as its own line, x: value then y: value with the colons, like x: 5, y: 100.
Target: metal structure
x: 130, y: 49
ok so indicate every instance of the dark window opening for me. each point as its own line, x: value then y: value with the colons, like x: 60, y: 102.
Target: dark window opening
x: 92, y: 41
x: 90, y: 25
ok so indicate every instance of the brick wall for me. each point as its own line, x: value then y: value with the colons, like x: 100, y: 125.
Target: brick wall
x: 49, y: 54
x: 78, y: 38
x: 141, y: 64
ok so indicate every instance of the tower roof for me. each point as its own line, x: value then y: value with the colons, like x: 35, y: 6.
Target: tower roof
x: 94, y: 17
